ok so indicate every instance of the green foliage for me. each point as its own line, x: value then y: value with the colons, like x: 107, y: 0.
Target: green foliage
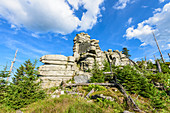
x: 25, y: 88
x: 96, y: 87
x: 3, y: 83
x: 106, y: 66
x: 98, y: 75
x: 134, y: 82
x: 104, y: 103
x: 141, y: 64
x: 160, y: 78
x: 165, y: 68
x: 52, y: 89
x: 150, y: 65
x: 158, y: 99
x: 139, y: 81
x: 126, y: 52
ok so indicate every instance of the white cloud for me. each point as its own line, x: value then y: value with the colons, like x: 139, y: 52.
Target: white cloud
x: 89, y: 18
x: 161, y: 1
x: 121, y: 4
x: 157, y: 10
x: 151, y: 60
x: 50, y: 15
x: 158, y: 23
x: 64, y: 37
x: 144, y: 6
x: 130, y: 20
x: 75, y: 3
x: 103, y: 8
x: 143, y: 44
x: 169, y: 45
x: 35, y: 35
x: 24, y: 48
x: 13, y: 26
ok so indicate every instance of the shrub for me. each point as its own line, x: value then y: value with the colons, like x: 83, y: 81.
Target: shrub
x: 3, y: 83
x: 25, y: 88
x: 96, y: 87
x: 98, y: 75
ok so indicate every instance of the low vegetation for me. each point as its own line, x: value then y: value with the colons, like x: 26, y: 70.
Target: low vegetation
x: 150, y: 91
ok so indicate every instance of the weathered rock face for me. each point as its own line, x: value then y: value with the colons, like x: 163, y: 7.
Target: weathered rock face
x: 59, y: 68
x: 55, y: 69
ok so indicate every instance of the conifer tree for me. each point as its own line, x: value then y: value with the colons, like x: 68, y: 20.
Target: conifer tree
x: 3, y: 83
x: 25, y: 89
x: 126, y: 52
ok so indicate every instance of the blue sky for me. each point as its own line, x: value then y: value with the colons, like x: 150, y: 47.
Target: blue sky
x: 40, y: 27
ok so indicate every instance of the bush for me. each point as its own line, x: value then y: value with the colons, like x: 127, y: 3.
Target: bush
x: 98, y: 75
x: 3, y: 84
x: 25, y: 88
x: 96, y: 87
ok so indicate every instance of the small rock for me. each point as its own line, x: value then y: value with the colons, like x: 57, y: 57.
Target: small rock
x: 62, y: 92
x: 19, y: 111
x: 81, y: 79
x: 89, y: 101
x: 109, y: 50
x: 127, y: 112
x: 55, y: 96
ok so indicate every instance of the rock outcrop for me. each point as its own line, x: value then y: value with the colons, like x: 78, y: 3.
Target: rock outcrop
x: 56, y: 68
x: 86, y: 52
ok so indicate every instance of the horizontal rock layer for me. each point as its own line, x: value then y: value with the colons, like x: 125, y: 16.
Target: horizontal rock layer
x: 86, y: 52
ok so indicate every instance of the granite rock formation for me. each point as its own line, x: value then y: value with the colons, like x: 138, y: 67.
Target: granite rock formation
x: 86, y: 52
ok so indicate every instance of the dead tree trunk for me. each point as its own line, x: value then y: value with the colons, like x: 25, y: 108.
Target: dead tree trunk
x: 158, y: 48
x: 12, y: 63
x: 129, y: 99
x: 87, y: 96
x: 158, y: 65
x: 115, y: 78
x: 87, y: 84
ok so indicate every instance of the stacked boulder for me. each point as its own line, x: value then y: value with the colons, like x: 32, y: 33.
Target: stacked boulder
x: 56, y: 68
x: 86, y: 52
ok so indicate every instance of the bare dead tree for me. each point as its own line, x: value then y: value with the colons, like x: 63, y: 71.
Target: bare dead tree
x: 158, y: 65
x: 12, y: 63
x: 158, y: 47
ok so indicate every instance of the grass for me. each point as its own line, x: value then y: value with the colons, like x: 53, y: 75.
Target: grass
x: 4, y: 109
x: 77, y: 104
x: 64, y: 104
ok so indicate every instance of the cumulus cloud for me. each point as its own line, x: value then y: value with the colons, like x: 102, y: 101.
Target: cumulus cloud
x: 130, y: 20
x: 157, y: 10
x: 121, y: 4
x: 143, y: 44
x: 50, y: 15
x: 89, y: 18
x: 169, y: 45
x: 161, y: 1
x: 35, y: 35
x: 158, y: 23
x: 64, y: 37
x: 13, y: 26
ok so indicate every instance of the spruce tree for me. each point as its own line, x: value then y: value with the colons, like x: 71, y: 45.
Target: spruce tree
x: 3, y: 83
x: 126, y: 52
x: 25, y: 88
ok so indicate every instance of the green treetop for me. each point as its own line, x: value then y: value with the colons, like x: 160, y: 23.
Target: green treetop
x: 126, y: 52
